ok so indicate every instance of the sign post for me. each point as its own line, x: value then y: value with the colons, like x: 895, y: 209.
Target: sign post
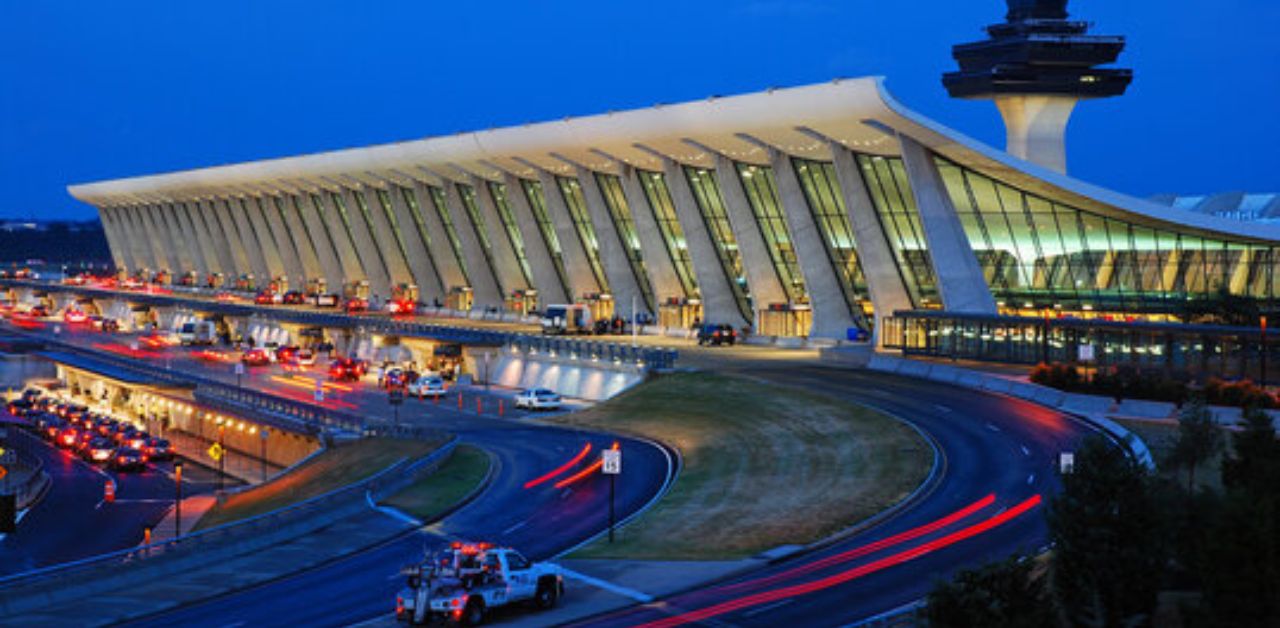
x: 611, y: 466
x: 319, y: 394
x: 395, y: 397
x: 177, y: 503
x: 239, y: 373
x: 263, y: 437
x: 1066, y: 462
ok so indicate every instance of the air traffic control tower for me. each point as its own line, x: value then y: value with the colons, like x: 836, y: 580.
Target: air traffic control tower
x: 1036, y: 66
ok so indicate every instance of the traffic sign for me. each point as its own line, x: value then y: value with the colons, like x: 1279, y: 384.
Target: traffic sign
x: 319, y: 393
x: 1067, y: 462
x: 239, y: 368
x: 216, y: 451
x: 264, y: 433
x: 1087, y: 353
x: 612, y: 459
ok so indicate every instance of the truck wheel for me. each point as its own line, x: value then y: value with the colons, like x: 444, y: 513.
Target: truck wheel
x: 473, y: 614
x: 547, y: 596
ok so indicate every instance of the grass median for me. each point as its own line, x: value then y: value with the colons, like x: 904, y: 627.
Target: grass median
x: 764, y: 465
x: 465, y: 470
x: 334, y: 468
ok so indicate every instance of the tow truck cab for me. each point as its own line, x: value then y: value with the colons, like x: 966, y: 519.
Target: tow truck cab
x: 464, y: 582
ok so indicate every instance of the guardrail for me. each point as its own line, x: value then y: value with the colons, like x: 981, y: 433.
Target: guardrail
x: 34, y: 589
x: 643, y: 357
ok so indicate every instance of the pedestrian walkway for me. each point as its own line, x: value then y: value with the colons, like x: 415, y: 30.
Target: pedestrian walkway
x: 193, y: 508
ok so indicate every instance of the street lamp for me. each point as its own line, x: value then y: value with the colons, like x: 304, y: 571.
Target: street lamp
x: 177, y: 504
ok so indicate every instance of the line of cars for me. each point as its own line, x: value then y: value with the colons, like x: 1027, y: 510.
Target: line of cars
x: 96, y: 437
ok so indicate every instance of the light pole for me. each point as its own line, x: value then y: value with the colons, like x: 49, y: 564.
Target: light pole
x: 265, y: 434
x: 177, y: 504
x: 222, y: 464
x: 486, y: 371
x: 1262, y: 324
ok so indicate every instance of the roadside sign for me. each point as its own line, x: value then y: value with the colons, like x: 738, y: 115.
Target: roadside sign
x: 612, y: 462
x: 395, y: 396
x: 3, y: 472
x: 216, y: 452
x: 319, y: 393
x: 1087, y: 353
x: 239, y: 368
x: 1066, y: 462
x: 264, y: 434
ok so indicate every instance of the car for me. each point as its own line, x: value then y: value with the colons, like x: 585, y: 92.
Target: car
x: 427, y: 386
x: 325, y: 300
x: 49, y: 425
x: 355, y: 304
x: 39, y: 311
x: 394, y: 378
x: 293, y: 297
x: 306, y: 357
x: 401, y: 307
x: 715, y: 334
x: 68, y: 437
x: 108, y: 325
x: 538, y: 399
x: 267, y: 297
x: 256, y: 357
x: 75, y: 317
x: 128, y: 459
x: 99, y: 449
x: 158, y: 449
x: 286, y: 355
x: 21, y: 407
x: 347, y: 369
x: 137, y: 440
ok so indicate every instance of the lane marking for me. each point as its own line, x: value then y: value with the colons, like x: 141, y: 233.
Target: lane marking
x: 514, y: 528
x: 391, y: 512
x: 643, y: 598
x: 942, y: 408
x: 992, y: 427
x: 1031, y: 478
x: 768, y: 607
x: 1025, y: 451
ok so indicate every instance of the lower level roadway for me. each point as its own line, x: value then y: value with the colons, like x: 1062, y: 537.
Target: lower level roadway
x: 998, y: 460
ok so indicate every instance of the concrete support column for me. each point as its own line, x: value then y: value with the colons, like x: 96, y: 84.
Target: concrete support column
x: 117, y: 240
x: 139, y: 239
x: 163, y: 245
x: 1036, y: 126
x: 484, y: 285
x: 154, y: 247
x: 503, y: 252
x: 286, y: 249
x: 311, y: 225
x: 884, y: 279
x: 421, y: 266
x: 345, y: 249
x: 832, y: 314
x: 719, y: 304
x: 623, y: 283
x: 386, y: 239
x: 201, y: 249
x: 223, y: 214
x: 254, y: 246
x: 271, y: 251
x: 577, y: 266
x: 450, y: 267
x: 206, y: 213
x: 541, y: 264
x: 372, y: 255
x: 184, y: 248
x: 960, y: 279
x: 762, y: 276
x: 657, y: 258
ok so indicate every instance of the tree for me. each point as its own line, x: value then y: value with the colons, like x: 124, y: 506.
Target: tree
x: 1198, y: 439
x: 1254, y: 465
x: 1109, y: 542
x: 1004, y: 594
x: 1222, y: 308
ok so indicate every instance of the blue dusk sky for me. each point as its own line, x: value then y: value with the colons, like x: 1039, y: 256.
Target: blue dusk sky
x: 109, y: 89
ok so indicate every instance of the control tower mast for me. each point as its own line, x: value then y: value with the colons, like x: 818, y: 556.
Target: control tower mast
x: 1036, y: 66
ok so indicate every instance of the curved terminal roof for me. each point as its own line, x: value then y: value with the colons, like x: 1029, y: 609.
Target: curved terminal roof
x: 858, y: 113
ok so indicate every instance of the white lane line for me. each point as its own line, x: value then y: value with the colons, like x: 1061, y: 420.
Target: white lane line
x: 1025, y: 451
x: 768, y: 607
x: 514, y: 528
x: 643, y: 598
x: 992, y: 427
x: 942, y: 408
x: 391, y: 512
x: 1031, y: 478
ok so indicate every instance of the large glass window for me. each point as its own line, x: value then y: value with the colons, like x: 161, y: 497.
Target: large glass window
x: 762, y: 196
x: 442, y: 211
x: 499, y: 192
x: 368, y: 228
x: 664, y: 213
x: 341, y: 208
x: 419, y: 223
x: 468, y: 195
x: 384, y: 200
x: 822, y: 192
x: 571, y: 190
x: 538, y: 205
x: 620, y: 212
x: 706, y: 194
x: 886, y: 180
x: 1039, y: 254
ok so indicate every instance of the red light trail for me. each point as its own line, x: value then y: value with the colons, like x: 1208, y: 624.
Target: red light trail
x: 560, y: 469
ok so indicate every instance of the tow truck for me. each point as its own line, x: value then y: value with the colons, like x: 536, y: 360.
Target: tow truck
x: 465, y: 581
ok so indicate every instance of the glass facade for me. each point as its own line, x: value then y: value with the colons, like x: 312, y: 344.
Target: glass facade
x: 438, y: 202
x: 1037, y: 254
x: 341, y: 208
x: 706, y: 194
x: 620, y: 212
x: 762, y: 196
x: 664, y: 213
x: 538, y: 204
x: 571, y: 190
x: 499, y: 192
x: 368, y: 228
x: 886, y: 181
x: 468, y: 195
x: 419, y: 223
x: 384, y: 200
x: 826, y: 203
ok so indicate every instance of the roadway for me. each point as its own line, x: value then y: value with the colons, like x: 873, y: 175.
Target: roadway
x: 72, y: 521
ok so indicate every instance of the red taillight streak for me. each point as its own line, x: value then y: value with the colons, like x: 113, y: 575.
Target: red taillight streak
x: 560, y: 469
x: 595, y: 466
x: 766, y: 597
x: 869, y: 548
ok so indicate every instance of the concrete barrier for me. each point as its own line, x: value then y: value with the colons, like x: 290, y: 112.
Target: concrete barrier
x: 582, y: 379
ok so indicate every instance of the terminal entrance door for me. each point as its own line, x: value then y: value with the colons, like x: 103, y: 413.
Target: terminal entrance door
x: 785, y: 320
x: 459, y: 298
x: 601, y: 306
x: 317, y: 286
x: 522, y: 301
x: 678, y: 313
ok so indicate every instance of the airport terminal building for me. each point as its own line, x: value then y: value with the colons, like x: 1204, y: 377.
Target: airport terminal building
x: 817, y: 211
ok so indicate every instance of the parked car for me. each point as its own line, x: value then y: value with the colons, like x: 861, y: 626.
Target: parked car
x: 538, y: 399
x: 347, y: 369
x: 287, y: 354
x: 427, y: 386
x: 128, y: 459
x: 294, y: 297
x: 306, y: 357
x: 267, y: 297
x: 99, y: 449
x: 355, y: 304
x: 158, y: 449
x: 325, y: 300
x: 713, y: 334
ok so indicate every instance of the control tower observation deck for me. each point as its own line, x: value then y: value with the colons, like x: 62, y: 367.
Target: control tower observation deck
x: 1036, y: 66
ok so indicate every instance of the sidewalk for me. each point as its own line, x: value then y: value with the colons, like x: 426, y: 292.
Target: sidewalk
x: 192, y: 509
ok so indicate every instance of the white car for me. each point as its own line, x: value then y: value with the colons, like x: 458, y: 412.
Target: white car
x: 538, y: 399
x: 306, y: 357
x: 427, y: 386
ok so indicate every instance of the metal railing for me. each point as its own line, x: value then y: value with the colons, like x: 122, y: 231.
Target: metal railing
x: 642, y: 357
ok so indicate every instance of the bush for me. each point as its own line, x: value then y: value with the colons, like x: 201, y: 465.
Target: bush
x: 1130, y: 382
